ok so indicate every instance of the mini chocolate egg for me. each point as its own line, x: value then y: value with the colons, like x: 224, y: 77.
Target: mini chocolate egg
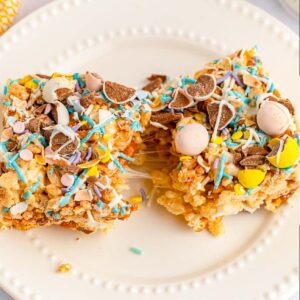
x: 192, y: 139
x: 51, y: 86
x: 93, y: 81
x: 273, y: 118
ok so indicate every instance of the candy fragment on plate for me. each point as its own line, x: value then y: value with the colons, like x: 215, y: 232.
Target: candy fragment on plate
x: 118, y: 93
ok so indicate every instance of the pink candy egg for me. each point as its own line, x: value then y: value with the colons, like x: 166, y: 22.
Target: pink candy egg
x: 273, y: 118
x: 26, y: 155
x: 67, y: 180
x: 192, y: 139
x: 19, y: 127
x: 93, y: 81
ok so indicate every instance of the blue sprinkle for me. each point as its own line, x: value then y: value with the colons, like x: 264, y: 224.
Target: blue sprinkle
x: 89, y: 120
x: 51, y: 171
x: 126, y: 157
x: 272, y: 87
x: 101, y: 146
x: 49, y: 213
x: 5, y: 90
x: 5, y: 210
x: 136, y: 126
x: 123, y: 210
x: 250, y: 191
x: 115, y: 210
x: 228, y: 176
x: 165, y: 98
x: 100, y: 204
x: 117, y: 164
x: 76, y: 76
x: 36, y: 81
x: 220, y: 171
x: 56, y: 216
x: 6, y: 103
x: 86, y: 92
x: 288, y: 170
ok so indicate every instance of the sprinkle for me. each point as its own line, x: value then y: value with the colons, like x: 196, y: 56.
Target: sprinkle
x: 124, y: 156
x: 165, y: 98
x: 89, y: 120
x: 56, y: 216
x: 185, y: 157
x: 5, y: 90
x: 89, y: 154
x: 217, y: 140
x: 136, y: 251
x: 117, y: 164
x: 222, y: 79
x: 100, y: 203
x: 115, y: 210
x: 250, y: 191
x: 237, y: 135
x: 5, y: 210
x: 102, y: 147
x: 76, y: 127
x: 32, y: 189
x: 216, y: 163
x: 97, y: 191
x: 237, y: 79
x: 64, y: 268
x: 6, y: 103
x: 77, y: 158
x: 143, y: 194
x: 136, y: 199
x: 228, y: 176
x: 221, y: 171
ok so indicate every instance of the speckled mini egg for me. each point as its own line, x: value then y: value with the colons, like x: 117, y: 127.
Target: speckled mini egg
x: 192, y: 139
x: 273, y: 118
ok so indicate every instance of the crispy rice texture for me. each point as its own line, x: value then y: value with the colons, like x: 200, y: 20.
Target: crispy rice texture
x: 43, y: 200
x: 188, y: 183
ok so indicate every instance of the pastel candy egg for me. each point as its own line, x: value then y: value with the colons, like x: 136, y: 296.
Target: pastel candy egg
x: 273, y: 118
x: 67, y: 180
x: 251, y: 178
x: 51, y: 86
x: 192, y: 139
x: 26, y: 155
x: 19, y: 127
x: 287, y: 157
x: 93, y: 81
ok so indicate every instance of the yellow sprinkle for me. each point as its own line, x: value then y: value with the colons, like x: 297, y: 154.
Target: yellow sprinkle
x: 25, y: 79
x: 156, y: 102
x: 83, y: 123
x: 93, y: 171
x: 237, y: 136
x: 106, y: 157
x: 31, y: 85
x: 239, y: 189
x: 136, y: 199
x: 217, y: 140
x: 89, y: 164
x: 185, y: 157
x: 54, y: 75
x: 247, y: 135
x: 200, y: 116
x: 64, y: 268
x: 106, y: 137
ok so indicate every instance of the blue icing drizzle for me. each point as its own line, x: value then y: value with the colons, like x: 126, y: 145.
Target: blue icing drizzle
x: 220, y: 171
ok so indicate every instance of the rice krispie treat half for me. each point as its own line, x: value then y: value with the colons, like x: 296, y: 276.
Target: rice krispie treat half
x: 232, y: 138
x: 65, y: 143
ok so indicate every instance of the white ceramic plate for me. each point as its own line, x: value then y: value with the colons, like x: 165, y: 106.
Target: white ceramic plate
x: 126, y: 40
x: 292, y: 6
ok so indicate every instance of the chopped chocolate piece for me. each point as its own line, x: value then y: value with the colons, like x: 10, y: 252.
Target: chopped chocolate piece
x: 153, y: 85
x: 274, y: 150
x: 88, y: 99
x: 226, y: 116
x: 165, y: 117
x: 181, y: 100
x: 237, y: 157
x: 63, y: 93
x: 59, y: 140
x: 118, y: 93
x: 43, y: 76
x: 204, y: 88
x: 252, y: 161
x: 155, y: 76
x: 285, y: 102
x: 255, y: 150
x: 39, y: 123
x: 11, y: 145
x: 39, y: 110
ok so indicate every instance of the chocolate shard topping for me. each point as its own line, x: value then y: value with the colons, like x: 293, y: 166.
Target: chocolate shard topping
x: 255, y: 150
x: 63, y: 93
x: 39, y: 110
x: 274, y: 151
x: 39, y: 123
x: 88, y: 99
x: 165, y: 117
x: 59, y: 139
x: 153, y: 85
x: 252, y: 161
x: 226, y: 116
x: 118, y: 93
x: 181, y: 100
x: 155, y: 76
x: 204, y: 88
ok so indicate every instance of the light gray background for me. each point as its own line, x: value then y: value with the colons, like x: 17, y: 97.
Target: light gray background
x: 271, y: 6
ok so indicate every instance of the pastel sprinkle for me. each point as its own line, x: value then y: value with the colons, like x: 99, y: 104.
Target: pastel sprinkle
x: 124, y: 156
x: 136, y: 251
x: 221, y: 171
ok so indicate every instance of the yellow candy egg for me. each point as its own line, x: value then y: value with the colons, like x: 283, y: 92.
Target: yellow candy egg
x: 89, y: 164
x: 136, y: 199
x: 8, y: 11
x: 238, y: 188
x: 288, y: 156
x: 185, y: 157
x: 251, y: 178
x: 217, y: 140
x: 237, y: 136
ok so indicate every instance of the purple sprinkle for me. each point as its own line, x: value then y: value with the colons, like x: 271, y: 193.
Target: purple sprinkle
x: 222, y: 79
x: 76, y: 127
x: 97, y: 191
x: 71, y: 159
x: 77, y: 158
x: 89, y: 154
x: 77, y: 87
x: 216, y: 163
x: 143, y: 194
x: 25, y: 131
x: 47, y: 109
x: 237, y: 79
x: 65, y: 189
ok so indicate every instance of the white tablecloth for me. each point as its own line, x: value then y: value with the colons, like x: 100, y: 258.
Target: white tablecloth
x: 271, y: 6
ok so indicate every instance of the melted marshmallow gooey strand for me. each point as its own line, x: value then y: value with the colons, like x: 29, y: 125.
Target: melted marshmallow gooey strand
x: 65, y: 145
x: 232, y: 141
